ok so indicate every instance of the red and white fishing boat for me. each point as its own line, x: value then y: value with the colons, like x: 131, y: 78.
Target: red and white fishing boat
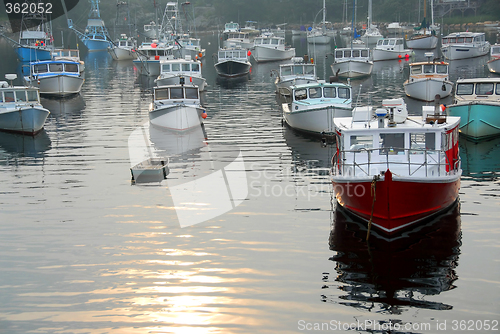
x: 393, y: 170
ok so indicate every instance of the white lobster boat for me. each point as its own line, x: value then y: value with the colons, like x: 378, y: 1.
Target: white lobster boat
x: 461, y: 45
x: 314, y: 106
x: 176, y: 107
x: 299, y: 71
x: 352, y: 63
x: 271, y: 48
x: 58, y: 78
x: 233, y: 62
x: 428, y: 80
x: 20, y: 108
x: 390, y: 48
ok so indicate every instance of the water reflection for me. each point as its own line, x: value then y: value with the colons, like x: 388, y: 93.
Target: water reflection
x: 392, y: 275
x: 480, y: 160
x: 28, y: 146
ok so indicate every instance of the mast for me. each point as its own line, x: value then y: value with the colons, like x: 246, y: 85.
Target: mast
x: 369, y: 14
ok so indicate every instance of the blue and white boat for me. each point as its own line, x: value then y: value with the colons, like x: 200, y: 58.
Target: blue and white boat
x: 313, y: 107
x: 96, y: 36
x: 35, y: 38
x: 20, y: 108
x: 58, y: 78
x: 477, y: 102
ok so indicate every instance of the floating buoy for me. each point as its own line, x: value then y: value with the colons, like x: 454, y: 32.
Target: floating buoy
x: 204, y: 114
x: 249, y: 53
x: 400, y: 56
x: 154, y: 45
x: 200, y: 55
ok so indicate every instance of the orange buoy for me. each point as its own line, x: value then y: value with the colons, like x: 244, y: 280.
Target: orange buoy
x: 204, y: 114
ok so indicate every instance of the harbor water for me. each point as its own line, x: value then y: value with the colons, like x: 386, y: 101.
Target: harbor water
x: 85, y: 250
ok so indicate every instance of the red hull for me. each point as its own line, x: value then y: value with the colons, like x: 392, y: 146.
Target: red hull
x: 398, y: 203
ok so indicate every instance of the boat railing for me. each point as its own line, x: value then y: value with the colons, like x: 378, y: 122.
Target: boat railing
x: 401, y: 161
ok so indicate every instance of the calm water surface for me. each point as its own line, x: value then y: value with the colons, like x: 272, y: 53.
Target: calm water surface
x: 82, y: 250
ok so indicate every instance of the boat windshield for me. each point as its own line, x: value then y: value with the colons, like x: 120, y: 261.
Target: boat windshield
x: 330, y: 92
x: 441, y: 69
x: 191, y: 93
x: 465, y: 89
x: 315, y: 92
x: 392, y: 143
x: 484, y: 88
x: 344, y: 93
x: 416, y: 69
x: 419, y: 142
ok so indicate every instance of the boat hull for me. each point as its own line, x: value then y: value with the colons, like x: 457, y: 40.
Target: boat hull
x: 232, y: 69
x: 319, y: 39
x: 27, y: 54
x: 353, y: 68
x: 494, y: 65
x: 455, y: 52
x: 379, y: 55
x: 315, y: 120
x: 264, y: 54
x: 118, y: 53
x: 399, y: 202
x: 58, y: 85
x: 426, y: 89
x: 26, y: 120
x: 478, y: 120
x: 96, y: 44
x: 423, y: 42
x: 176, y: 117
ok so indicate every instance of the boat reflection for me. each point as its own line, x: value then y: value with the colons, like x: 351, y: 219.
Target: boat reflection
x: 480, y: 160
x: 28, y: 146
x: 236, y: 82
x: 392, y: 275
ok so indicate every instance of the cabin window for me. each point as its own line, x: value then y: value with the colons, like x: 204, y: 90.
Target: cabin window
x: 355, y: 53
x: 161, y: 94
x: 386, y: 42
x: 186, y: 67
x: 399, y: 42
x: 347, y: 54
x: 429, y: 69
x: 300, y: 94
x: 176, y: 93
x: 495, y: 49
x: 380, y: 42
x: 460, y: 40
x: 468, y: 40
x: 298, y: 70
x: 40, y: 68
x: 57, y: 67
x: 392, y: 143
x: 265, y: 41
x: 441, y: 69
x: 176, y: 67
x: 195, y: 67
x: 498, y: 89
x: 9, y: 96
x: 329, y: 92
x: 364, y: 53
x: 286, y: 70
x: 71, y: 68
x: 165, y: 68
x: 338, y: 54
x: 275, y: 41
x: 191, y: 93
x: 416, y: 69
x: 392, y: 42
x: 344, y: 93
x: 359, y: 142
x: 20, y: 96
x: 465, y: 89
x: 314, y: 92
x: 32, y: 95
x: 421, y: 141
x: 484, y: 88
x: 309, y: 69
